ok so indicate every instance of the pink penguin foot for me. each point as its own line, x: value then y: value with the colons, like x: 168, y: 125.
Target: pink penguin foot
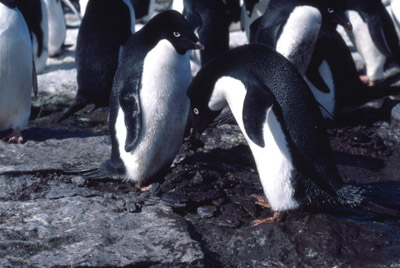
x: 14, y: 137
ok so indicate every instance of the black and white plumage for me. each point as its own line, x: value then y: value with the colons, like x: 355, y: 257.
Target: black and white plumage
x: 211, y: 20
x: 281, y: 122
x: 17, y: 76
x: 334, y: 79
x: 148, y: 103
x: 292, y: 27
x: 105, y: 28
x: 35, y: 14
x: 374, y: 35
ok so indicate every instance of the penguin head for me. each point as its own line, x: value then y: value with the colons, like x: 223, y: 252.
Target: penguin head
x: 333, y: 12
x: 199, y: 93
x: 173, y: 27
x: 10, y: 3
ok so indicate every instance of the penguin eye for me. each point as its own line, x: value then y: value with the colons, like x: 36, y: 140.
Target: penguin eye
x: 177, y: 34
x: 196, y: 111
x: 330, y: 10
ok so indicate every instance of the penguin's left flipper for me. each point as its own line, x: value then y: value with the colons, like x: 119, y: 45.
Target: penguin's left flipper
x: 256, y: 103
x: 130, y: 105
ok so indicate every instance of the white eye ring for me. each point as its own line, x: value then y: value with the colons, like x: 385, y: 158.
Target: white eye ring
x: 330, y: 10
x: 196, y: 111
x: 177, y: 34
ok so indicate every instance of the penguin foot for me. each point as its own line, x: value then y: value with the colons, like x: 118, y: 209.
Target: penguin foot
x: 145, y: 188
x: 14, y: 137
x: 366, y: 80
x: 277, y: 216
x: 261, y: 200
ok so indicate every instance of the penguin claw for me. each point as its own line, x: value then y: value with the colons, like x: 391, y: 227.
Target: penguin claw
x: 14, y: 137
x: 261, y: 200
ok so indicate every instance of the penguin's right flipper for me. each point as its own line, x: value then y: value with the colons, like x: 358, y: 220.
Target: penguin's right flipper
x: 34, y: 80
x: 130, y: 105
x: 256, y: 103
x: 378, y: 210
x: 108, y: 170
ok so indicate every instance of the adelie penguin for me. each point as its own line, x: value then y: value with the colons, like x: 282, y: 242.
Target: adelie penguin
x: 148, y: 104
x: 283, y: 126
x: 334, y: 79
x: 105, y: 28
x: 374, y: 35
x: 17, y: 76
x: 211, y: 20
x: 291, y: 27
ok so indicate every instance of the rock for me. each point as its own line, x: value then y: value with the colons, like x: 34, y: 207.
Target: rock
x: 206, y: 211
x: 78, y: 181
x: 77, y: 231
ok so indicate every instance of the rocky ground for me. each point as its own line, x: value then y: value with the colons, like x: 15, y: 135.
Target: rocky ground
x: 197, y: 214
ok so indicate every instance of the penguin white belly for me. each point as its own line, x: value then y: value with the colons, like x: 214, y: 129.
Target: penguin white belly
x: 298, y: 37
x: 274, y: 162
x: 326, y: 100
x: 395, y: 12
x: 57, y: 26
x: 15, y: 69
x: 40, y: 62
x: 165, y: 106
x: 362, y: 40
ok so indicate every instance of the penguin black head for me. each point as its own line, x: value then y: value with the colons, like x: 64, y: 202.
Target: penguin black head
x: 334, y: 12
x: 10, y: 3
x: 171, y: 25
x: 199, y: 93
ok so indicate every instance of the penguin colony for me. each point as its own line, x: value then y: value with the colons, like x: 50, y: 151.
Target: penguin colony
x: 295, y: 72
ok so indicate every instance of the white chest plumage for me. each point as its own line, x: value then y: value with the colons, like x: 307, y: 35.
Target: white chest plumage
x: 361, y: 37
x: 165, y: 106
x: 15, y: 69
x: 274, y: 162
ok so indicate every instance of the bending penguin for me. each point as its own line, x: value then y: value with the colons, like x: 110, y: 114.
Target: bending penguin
x: 282, y: 124
x: 105, y: 28
x: 148, y: 103
x: 17, y: 77
x: 35, y: 14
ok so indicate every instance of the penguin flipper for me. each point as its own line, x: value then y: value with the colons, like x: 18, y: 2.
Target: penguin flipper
x: 130, y: 105
x: 34, y: 80
x: 78, y: 105
x: 256, y: 103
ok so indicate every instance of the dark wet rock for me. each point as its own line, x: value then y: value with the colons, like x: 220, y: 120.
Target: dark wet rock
x: 201, y: 197
x: 225, y: 220
x: 78, y: 181
x: 206, y: 211
x: 175, y: 199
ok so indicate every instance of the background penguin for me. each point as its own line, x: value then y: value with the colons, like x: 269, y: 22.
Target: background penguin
x: 35, y: 14
x: 57, y: 25
x: 211, y: 20
x: 106, y: 26
x: 144, y: 9
x: 148, y: 103
x: 375, y: 38
x: 17, y: 76
x: 394, y: 11
x: 291, y: 27
x: 282, y: 124
x: 251, y: 10
x: 83, y: 4
x: 334, y: 80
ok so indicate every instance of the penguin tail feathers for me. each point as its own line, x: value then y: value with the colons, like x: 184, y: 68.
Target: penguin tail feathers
x: 78, y: 105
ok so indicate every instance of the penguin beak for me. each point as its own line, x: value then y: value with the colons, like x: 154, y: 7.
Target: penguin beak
x: 194, y: 139
x: 348, y: 26
x: 341, y: 18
